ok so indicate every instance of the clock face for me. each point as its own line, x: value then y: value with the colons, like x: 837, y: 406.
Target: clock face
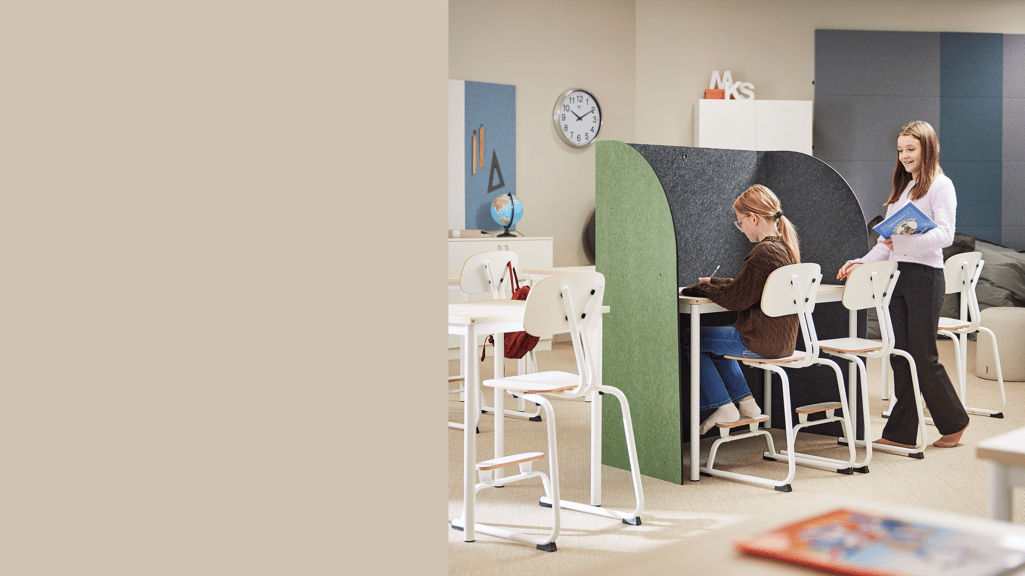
x: 577, y: 117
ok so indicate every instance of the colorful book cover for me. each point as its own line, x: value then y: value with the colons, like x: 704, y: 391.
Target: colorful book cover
x: 908, y: 220
x: 871, y: 544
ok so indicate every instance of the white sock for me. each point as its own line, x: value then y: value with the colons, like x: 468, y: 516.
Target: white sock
x: 723, y: 415
x: 749, y: 408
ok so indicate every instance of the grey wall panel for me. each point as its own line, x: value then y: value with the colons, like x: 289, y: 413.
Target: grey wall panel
x: 1014, y: 66
x: 871, y: 182
x: 979, y: 197
x: 974, y: 126
x: 1013, y: 132
x: 971, y: 65
x: 1013, y: 183
x: 865, y: 127
x: 1013, y: 237
x: 849, y: 62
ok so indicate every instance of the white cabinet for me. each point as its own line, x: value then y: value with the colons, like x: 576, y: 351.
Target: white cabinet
x: 533, y: 252
x: 754, y: 124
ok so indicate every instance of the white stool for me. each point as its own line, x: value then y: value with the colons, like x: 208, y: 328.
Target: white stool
x: 1008, y: 325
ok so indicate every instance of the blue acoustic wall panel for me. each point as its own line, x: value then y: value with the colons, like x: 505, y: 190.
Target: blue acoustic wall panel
x: 971, y: 65
x: 1013, y: 182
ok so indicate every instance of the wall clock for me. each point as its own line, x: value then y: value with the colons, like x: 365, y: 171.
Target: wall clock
x: 577, y: 117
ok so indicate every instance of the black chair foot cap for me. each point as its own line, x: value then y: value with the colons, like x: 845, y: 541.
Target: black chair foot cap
x: 841, y: 441
x: 769, y: 458
x: 633, y: 521
x: 536, y: 418
x: 549, y: 547
x: 460, y: 528
x: 847, y: 471
x: 917, y: 456
x: 785, y: 488
x: 544, y: 504
x: 997, y: 415
x: 863, y: 470
x: 706, y: 474
x: 477, y: 429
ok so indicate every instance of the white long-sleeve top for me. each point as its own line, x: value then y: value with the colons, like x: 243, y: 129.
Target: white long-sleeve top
x: 940, y: 204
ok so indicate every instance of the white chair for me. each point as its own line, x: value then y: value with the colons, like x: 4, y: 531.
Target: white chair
x: 790, y: 290
x: 871, y: 286
x: 961, y: 273
x: 562, y: 303
x: 486, y: 275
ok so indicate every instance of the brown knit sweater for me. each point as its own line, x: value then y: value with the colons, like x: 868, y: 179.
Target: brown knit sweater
x: 763, y: 335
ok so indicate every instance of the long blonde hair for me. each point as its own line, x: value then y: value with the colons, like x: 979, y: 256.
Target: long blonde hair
x: 930, y: 143
x: 761, y: 202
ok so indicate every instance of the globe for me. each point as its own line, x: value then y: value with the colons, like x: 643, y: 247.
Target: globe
x: 507, y: 211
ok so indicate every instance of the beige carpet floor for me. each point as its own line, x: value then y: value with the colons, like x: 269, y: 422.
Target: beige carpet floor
x: 949, y: 480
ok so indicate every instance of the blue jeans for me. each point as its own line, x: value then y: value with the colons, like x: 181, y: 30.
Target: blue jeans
x: 722, y: 381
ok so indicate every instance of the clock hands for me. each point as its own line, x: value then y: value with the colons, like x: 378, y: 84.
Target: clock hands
x: 575, y: 114
x: 584, y: 114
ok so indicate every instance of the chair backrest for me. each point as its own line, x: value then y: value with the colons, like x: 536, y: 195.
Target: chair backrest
x: 488, y: 272
x: 871, y: 286
x: 569, y: 302
x: 961, y: 275
x: 792, y: 290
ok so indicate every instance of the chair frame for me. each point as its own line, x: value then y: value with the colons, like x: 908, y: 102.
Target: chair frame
x: 871, y: 286
x: 488, y: 273
x: 961, y: 273
x: 569, y: 302
x: 790, y: 290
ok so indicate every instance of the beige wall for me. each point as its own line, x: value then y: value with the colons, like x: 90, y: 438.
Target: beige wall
x: 650, y: 61
x: 545, y: 47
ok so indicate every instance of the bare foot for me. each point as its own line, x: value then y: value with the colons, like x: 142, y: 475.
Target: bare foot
x: 950, y: 440
x: 886, y: 442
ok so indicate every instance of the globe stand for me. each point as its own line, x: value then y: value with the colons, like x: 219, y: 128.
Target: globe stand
x: 512, y: 218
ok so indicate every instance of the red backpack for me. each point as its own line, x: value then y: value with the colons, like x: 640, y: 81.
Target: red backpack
x: 517, y: 344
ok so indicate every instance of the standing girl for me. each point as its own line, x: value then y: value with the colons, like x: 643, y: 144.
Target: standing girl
x: 918, y: 296
x: 760, y: 218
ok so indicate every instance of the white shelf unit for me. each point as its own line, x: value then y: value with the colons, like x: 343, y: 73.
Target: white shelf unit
x: 758, y: 125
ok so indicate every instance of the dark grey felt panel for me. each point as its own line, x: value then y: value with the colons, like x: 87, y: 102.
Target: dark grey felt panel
x: 701, y: 184
x: 867, y: 63
x: 871, y: 182
x: 1013, y: 130
x: 974, y: 126
x: 979, y: 195
x: 1014, y: 66
x: 1013, y: 184
x: 865, y: 127
x: 971, y: 65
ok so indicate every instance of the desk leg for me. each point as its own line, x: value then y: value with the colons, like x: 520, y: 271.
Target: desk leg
x: 596, y: 423
x: 499, y: 402
x: 471, y: 384
x: 852, y: 379
x: 1000, y: 492
x: 695, y: 392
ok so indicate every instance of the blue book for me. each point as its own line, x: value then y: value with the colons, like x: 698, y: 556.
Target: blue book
x: 908, y: 220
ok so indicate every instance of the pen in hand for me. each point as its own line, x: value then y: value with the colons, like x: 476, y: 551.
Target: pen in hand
x: 712, y: 275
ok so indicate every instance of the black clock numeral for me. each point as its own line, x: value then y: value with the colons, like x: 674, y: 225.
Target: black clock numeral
x: 565, y: 127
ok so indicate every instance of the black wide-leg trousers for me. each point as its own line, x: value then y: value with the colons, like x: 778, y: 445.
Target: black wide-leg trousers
x: 915, y: 312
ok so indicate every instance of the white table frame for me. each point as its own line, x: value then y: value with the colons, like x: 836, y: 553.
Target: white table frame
x: 695, y: 307
x: 1006, y: 454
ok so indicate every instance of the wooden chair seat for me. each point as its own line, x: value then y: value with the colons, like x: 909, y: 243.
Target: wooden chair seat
x: 850, y: 345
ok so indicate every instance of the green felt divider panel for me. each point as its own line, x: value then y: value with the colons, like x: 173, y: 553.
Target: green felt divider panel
x: 635, y: 248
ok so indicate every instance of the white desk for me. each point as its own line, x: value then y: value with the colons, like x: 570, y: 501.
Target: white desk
x: 695, y: 307
x: 496, y: 317
x: 1006, y: 454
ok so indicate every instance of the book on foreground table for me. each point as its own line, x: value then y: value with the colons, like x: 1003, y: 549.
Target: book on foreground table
x: 846, y: 541
x: 908, y: 220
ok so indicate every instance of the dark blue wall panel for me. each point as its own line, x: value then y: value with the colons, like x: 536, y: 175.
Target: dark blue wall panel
x: 971, y: 65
